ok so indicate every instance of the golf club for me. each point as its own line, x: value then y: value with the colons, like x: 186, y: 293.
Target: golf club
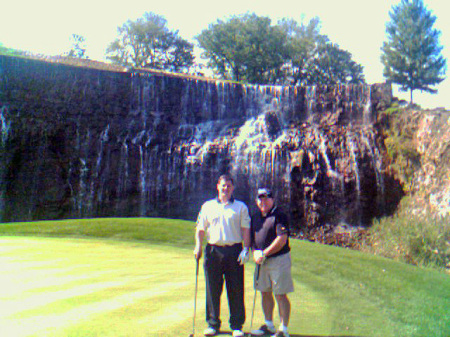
x: 195, y: 298
x: 254, y: 297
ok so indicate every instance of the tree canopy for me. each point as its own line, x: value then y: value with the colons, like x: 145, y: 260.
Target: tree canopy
x: 333, y: 65
x: 246, y: 48
x: 249, y: 48
x: 313, y: 59
x: 302, y: 42
x: 149, y: 43
x: 78, y: 49
x: 10, y: 51
x: 412, y: 53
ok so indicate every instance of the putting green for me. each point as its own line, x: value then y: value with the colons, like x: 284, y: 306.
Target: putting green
x: 84, y: 287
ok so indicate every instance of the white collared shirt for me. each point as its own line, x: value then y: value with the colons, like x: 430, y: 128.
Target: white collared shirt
x: 222, y: 223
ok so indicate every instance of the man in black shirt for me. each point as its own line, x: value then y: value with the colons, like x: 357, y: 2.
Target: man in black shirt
x: 271, y: 251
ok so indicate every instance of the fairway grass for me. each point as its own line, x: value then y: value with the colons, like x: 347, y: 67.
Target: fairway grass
x: 99, y: 279
x: 77, y: 287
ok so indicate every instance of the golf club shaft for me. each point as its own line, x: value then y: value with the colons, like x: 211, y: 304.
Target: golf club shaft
x: 195, y: 297
x: 254, y: 297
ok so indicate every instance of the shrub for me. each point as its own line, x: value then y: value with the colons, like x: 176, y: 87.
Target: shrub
x: 413, y: 239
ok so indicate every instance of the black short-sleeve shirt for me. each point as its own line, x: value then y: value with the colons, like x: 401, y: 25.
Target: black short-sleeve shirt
x: 265, y: 230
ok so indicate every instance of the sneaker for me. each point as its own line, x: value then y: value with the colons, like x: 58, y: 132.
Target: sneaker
x: 238, y: 333
x: 210, y: 332
x: 263, y: 330
x: 281, y: 334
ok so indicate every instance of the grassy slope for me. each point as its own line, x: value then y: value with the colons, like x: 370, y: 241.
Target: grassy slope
x: 338, y: 292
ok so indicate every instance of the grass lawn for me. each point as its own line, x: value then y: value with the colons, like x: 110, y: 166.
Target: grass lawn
x: 136, y: 277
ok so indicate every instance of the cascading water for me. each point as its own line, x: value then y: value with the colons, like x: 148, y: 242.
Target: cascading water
x: 152, y: 144
x: 5, y: 126
x: 352, y: 150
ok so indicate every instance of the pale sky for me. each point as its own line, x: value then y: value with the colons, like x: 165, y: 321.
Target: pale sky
x: 358, y: 26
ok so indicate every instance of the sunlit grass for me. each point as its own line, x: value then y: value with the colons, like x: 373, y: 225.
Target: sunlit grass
x: 138, y: 280
x: 152, y: 230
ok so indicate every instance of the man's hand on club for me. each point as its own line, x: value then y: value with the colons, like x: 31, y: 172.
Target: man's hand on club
x: 198, y: 253
x: 244, y: 256
x: 259, y: 257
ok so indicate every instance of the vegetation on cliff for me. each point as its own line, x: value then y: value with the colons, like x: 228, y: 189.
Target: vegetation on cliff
x: 415, y: 239
x: 399, y: 130
x: 418, y: 149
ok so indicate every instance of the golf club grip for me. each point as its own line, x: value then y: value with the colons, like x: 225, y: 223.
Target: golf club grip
x: 258, y: 266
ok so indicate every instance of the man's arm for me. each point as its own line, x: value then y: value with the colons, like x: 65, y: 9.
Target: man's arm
x: 244, y: 255
x: 260, y: 255
x: 199, y: 235
x: 246, y: 234
x: 276, y: 245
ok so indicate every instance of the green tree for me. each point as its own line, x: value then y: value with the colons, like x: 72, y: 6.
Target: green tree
x: 332, y: 65
x: 412, y: 53
x: 148, y: 43
x: 245, y: 48
x: 9, y: 51
x: 313, y: 59
x: 78, y: 47
x: 248, y: 48
x: 302, y: 45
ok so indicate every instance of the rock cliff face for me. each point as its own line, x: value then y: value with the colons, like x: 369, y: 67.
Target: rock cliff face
x: 79, y: 142
x: 431, y: 183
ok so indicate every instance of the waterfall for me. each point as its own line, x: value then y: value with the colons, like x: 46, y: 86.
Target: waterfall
x: 81, y: 203
x: 123, y: 170
x: 310, y: 99
x: 354, y: 164
x: 5, y: 125
x: 368, y: 138
x: 142, y: 143
x: 142, y: 182
x: 5, y: 130
x: 100, y: 172
x: 367, y: 112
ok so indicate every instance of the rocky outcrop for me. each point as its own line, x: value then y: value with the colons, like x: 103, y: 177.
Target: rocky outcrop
x: 79, y: 142
x: 431, y: 183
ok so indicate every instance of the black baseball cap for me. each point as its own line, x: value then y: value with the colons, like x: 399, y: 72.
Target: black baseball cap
x: 266, y: 192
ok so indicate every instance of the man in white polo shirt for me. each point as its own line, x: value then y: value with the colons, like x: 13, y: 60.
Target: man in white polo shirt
x: 225, y: 222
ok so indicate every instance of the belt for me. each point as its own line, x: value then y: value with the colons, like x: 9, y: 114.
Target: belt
x: 225, y: 246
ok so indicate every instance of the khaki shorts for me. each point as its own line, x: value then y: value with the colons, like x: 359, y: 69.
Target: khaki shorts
x: 275, y: 275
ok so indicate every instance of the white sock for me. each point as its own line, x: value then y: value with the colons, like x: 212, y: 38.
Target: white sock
x: 269, y: 324
x: 283, y: 328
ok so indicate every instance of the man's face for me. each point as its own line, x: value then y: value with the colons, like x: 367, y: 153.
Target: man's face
x: 264, y: 203
x: 225, y: 189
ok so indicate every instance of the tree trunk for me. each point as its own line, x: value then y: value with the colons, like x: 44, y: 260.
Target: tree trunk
x: 411, y: 96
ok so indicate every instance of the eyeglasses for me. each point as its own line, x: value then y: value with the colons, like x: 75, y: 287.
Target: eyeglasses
x: 264, y: 197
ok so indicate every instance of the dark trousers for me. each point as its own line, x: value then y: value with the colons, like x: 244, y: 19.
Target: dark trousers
x: 221, y: 265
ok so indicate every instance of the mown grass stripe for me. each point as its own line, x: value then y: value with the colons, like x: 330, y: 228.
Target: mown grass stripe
x: 338, y: 291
